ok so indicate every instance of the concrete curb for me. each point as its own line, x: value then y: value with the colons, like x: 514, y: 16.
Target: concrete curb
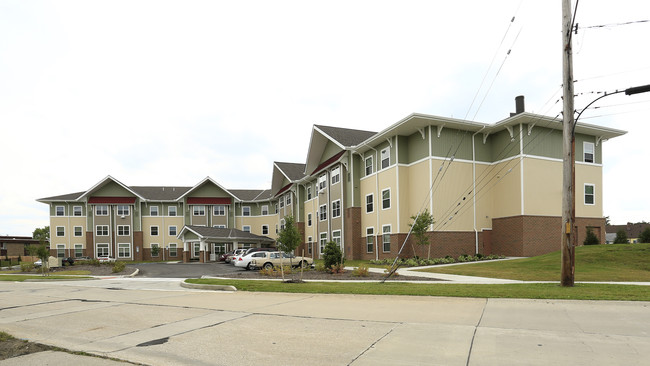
x: 197, y: 286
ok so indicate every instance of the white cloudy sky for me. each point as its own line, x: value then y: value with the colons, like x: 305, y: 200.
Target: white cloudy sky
x: 169, y: 92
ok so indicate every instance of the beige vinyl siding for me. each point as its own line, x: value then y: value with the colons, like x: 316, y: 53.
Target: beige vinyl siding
x: 505, y: 188
x: 589, y: 174
x: 542, y: 187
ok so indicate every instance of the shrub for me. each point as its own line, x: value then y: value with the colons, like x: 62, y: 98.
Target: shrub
x: 591, y: 238
x: 118, y: 267
x: 320, y: 267
x: 621, y: 237
x: 94, y: 262
x: 644, y: 237
x: 336, y: 268
x: 361, y: 271
x: 332, y: 255
x: 26, y: 267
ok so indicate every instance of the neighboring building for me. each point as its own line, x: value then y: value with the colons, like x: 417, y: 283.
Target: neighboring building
x: 632, y: 230
x: 492, y: 188
x: 15, y: 246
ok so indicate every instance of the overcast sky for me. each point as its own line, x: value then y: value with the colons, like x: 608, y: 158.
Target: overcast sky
x: 169, y: 92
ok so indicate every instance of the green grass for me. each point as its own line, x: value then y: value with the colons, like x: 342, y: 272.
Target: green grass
x: 519, y: 291
x: 619, y: 263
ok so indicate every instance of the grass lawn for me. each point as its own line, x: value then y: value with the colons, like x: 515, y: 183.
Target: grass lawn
x: 620, y: 263
x: 519, y: 291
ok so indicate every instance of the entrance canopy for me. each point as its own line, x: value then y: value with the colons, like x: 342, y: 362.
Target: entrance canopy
x: 221, y: 235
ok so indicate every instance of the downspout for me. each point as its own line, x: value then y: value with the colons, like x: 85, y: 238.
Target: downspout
x: 474, y: 186
x: 373, y: 203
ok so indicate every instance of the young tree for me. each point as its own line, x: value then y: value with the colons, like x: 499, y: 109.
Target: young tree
x: 41, y: 251
x: 42, y: 234
x: 621, y: 237
x: 289, y: 237
x: 420, y: 226
x: 591, y: 238
x: 332, y: 255
x: 644, y: 237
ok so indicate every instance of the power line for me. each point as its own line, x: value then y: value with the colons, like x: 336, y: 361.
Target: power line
x: 610, y: 25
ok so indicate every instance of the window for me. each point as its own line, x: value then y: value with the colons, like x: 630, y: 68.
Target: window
x: 78, y: 231
x: 173, y: 251
x: 101, y: 230
x: 322, y: 182
x: 123, y: 210
x: 385, y: 238
x: 282, y: 222
x: 198, y: 210
x: 246, y: 229
x: 155, y: 252
x: 102, y: 250
x: 336, y: 175
x: 336, y: 237
x: 123, y: 230
x: 123, y: 250
x: 220, y: 226
x: 78, y: 250
x: 288, y: 199
x: 322, y: 215
x: 336, y: 208
x: 385, y: 199
x: 588, y: 148
x: 370, y: 207
x: 309, y: 219
x: 101, y: 210
x: 76, y: 211
x: 60, y: 250
x: 172, y: 230
x: 153, y: 211
x: 370, y: 239
x: 171, y: 210
x: 281, y: 201
x: 309, y: 192
x: 369, y: 165
x: 60, y: 231
x: 590, y: 194
x: 265, y: 209
x: 153, y: 230
x: 265, y: 229
x: 276, y: 208
x: 309, y: 244
x: 385, y: 158
x: 246, y: 211
x: 60, y: 211
x: 219, y: 210
x: 322, y: 241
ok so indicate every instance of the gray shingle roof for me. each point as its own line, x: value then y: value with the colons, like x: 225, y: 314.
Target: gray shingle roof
x: 160, y: 193
x: 295, y: 171
x: 346, y: 136
x: 251, y: 194
x: 63, y: 197
x: 228, y: 234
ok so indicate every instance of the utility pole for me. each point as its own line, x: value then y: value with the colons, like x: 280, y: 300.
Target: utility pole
x: 568, y: 152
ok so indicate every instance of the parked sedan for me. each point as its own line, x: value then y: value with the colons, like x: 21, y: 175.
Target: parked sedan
x: 105, y: 259
x: 223, y: 257
x: 245, y: 260
x: 275, y: 259
x: 235, y: 253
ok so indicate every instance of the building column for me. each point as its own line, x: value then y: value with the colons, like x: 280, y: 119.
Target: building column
x: 186, y: 252
x: 202, y: 251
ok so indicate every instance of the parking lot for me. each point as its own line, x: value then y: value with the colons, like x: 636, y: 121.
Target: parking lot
x: 186, y: 270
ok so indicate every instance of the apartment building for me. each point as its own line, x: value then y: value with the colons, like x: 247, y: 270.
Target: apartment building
x: 491, y: 188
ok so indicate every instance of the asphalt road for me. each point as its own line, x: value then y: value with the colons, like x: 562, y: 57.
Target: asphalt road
x: 185, y: 270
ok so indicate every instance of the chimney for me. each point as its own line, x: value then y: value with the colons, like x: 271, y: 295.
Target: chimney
x: 519, y: 104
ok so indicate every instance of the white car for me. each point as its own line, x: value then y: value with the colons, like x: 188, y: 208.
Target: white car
x: 237, y: 254
x: 245, y: 261
x: 38, y: 263
x: 105, y: 259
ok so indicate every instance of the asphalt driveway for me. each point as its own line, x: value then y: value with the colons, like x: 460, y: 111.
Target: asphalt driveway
x: 186, y: 270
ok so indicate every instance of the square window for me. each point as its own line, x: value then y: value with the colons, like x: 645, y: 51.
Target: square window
x: 122, y: 210
x: 198, y: 210
x: 265, y: 210
x: 123, y: 250
x: 265, y: 229
x: 102, y: 250
x: 78, y: 250
x: 78, y: 231
x: 385, y: 199
x: 322, y: 242
x: 60, y: 231
x: 123, y: 230
x: 171, y: 211
x: 60, y: 211
x: 101, y: 210
x: 102, y: 230
x: 60, y: 250
x: 173, y: 252
x: 172, y: 230
x: 220, y: 210
x: 76, y: 211
x: 153, y: 211
x: 153, y: 230
x: 246, y: 229
x: 246, y: 211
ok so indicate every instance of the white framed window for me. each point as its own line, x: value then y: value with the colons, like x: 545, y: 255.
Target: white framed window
x: 265, y: 210
x: 124, y: 250
x: 157, y: 252
x: 310, y: 240
x: 322, y: 241
x: 385, y: 158
x: 173, y: 250
x: 153, y: 230
x: 385, y: 199
x: 78, y: 250
x: 281, y: 201
x: 246, y: 210
x: 322, y: 213
x: 336, y: 237
x: 60, y: 250
x: 282, y: 224
x: 153, y: 211
x: 78, y: 231
x: 198, y: 210
x: 171, y: 211
x: 590, y: 194
x: 588, y: 152
x: 246, y: 228
x: 219, y: 226
x: 322, y: 182
x: 123, y: 210
x: 101, y: 230
x: 101, y: 210
x: 288, y: 198
x: 309, y: 219
x: 172, y: 230
x: 336, y: 208
x: 123, y: 230
x: 60, y: 231
x: 335, y: 175
x: 276, y: 208
x: 219, y: 210
x: 77, y: 211
x: 308, y: 191
x: 102, y: 250
x: 60, y: 210
x: 370, y: 239
x: 385, y: 238
x: 265, y: 229
x: 370, y: 203
x: 369, y: 165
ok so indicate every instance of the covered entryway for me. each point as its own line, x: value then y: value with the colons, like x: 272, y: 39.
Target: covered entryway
x: 207, y: 243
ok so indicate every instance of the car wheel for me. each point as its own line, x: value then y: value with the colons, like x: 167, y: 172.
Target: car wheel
x: 268, y: 266
x: 248, y: 267
x: 303, y: 264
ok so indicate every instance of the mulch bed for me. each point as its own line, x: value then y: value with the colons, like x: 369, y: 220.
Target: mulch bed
x: 319, y: 276
x: 101, y: 270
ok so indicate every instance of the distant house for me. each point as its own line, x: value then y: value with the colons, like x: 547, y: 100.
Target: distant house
x: 14, y: 246
x: 633, y: 231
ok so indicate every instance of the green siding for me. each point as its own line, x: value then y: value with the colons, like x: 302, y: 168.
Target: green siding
x: 209, y: 190
x: 580, y: 139
x: 112, y: 189
x: 544, y: 142
x: 415, y: 147
x: 330, y: 150
x: 482, y: 150
x: 452, y: 142
x: 502, y: 145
